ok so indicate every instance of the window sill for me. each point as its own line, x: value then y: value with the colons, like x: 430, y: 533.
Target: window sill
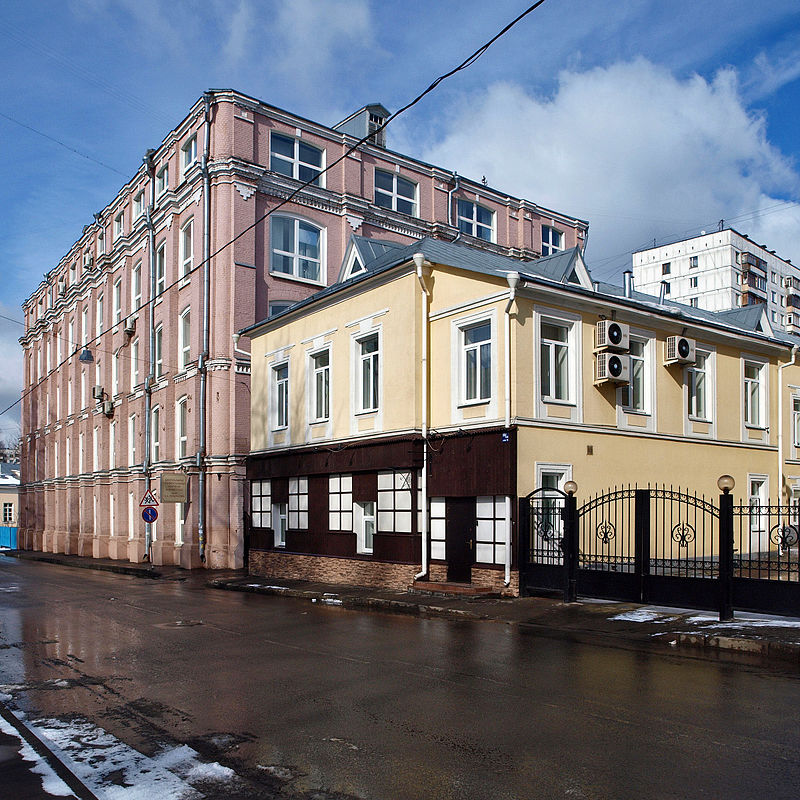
x: 323, y: 421
x: 636, y: 412
x: 295, y: 278
x: 762, y: 428
x: 184, y: 282
x: 552, y: 401
x: 366, y: 412
x: 701, y: 419
x: 473, y: 403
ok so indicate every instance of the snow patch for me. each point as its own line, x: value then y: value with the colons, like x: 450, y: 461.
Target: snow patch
x: 744, y: 622
x: 643, y: 615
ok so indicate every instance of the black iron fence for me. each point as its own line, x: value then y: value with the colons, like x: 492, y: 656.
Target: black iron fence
x: 661, y: 544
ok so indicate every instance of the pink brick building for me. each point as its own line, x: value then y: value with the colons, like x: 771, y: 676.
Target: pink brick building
x: 156, y: 285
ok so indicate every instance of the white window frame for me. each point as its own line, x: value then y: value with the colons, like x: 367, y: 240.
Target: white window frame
x: 162, y: 180
x: 476, y: 351
x: 795, y: 420
x: 138, y: 205
x: 295, y: 255
x: 645, y: 359
x: 319, y: 383
x: 760, y: 384
x: 364, y: 521
x: 707, y: 374
x: 161, y: 268
x: 261, y: 503
x: 85, y: 326
x: 182, y: 427
x: 158, y: 350
x: 552, y: 346
x: 295, y: 163
x: 391, y: 198
x: 112, y: 444
x: 470, y: 225
x: 115, y: 374
x: 119, y: 225
x: 185, y: 338
x: 188, y: 153
x: 281, y: 389
x: 573, y: 322
x: 298, y: 504
x: 132, y: 440
x: 280, y: 521
x: 95, y: 449
x: 155, y: 435
x: 373, y: 359
x: 136, y: 287
x: 552, y: 240
x: 187, y: 248
x: 134, y: 363
x: 116, y: 301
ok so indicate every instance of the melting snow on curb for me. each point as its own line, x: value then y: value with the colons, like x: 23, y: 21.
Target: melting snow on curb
x: 115, y: 771
x: 642, y: 615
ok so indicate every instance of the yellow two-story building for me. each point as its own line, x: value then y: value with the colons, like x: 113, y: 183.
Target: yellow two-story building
x: 398, y: 415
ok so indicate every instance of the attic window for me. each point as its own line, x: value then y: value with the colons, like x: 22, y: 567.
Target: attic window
x: 573, y: 277
x: 352, y: 266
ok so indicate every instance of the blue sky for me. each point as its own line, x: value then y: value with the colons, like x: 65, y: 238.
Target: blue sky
x: 650, y: 119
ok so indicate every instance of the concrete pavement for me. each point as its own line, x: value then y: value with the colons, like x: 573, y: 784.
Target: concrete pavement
x: 628, y: 625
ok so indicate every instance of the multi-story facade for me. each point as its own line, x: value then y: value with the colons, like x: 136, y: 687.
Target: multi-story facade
x: 398, y: 416
x: 130, y: 368
x: 722, y: 270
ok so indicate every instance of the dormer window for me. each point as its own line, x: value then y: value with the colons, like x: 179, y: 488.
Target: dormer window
x: 295, y: 159
x: 552, y: 240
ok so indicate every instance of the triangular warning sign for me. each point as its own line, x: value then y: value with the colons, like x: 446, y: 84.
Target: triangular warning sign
x: 149, y: 499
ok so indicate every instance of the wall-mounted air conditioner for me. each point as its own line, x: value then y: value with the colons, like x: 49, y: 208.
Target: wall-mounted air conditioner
x: 97, y: 393
x: 612, y: 335
x: 108, y: 408
x: 679, y: 350
x: 612, y: 368
x: 62, y: 287
x: 130, y: 326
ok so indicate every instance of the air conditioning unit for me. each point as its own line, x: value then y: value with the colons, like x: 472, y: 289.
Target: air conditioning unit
x: 130, y: 326
x: 97, y: 393
x: 611, y: 335
x: 108, y: 408
x: 62, y: 287
x: 679, y: 350
x: 612, y: 368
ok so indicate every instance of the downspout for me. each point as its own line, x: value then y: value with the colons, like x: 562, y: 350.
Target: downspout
x: 151, y: 372
x: 513, y: 282
x: 781, y: 367
x: 420, y: 263
x: 201, y: 362
x: 450, y: 193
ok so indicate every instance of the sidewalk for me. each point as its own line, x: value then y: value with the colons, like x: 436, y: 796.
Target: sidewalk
x: 700, y: 633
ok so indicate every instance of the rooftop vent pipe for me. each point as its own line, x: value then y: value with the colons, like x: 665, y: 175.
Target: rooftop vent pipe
x: 663, y: 293
x: 627, y: 278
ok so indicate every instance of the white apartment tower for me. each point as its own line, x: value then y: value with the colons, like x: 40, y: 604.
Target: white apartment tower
x: 719, y: 271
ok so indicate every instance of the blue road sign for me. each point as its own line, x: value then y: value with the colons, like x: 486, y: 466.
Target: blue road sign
x: 150, y: 514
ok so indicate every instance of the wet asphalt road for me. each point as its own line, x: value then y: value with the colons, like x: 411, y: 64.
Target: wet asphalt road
x: 305, y: 700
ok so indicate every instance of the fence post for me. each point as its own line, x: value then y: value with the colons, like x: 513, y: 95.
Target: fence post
x: 571, y: 545
x: 524, y: 535
x: 725, y: 557
x: 641, y: 539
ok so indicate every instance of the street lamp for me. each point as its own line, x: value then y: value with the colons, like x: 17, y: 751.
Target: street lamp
x: 86, y: 356
x: 725, y: 483
x: 570, y: 487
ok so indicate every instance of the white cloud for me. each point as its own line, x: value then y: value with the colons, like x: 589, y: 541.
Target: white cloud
x: 636, y: 151
x: 240, y: 24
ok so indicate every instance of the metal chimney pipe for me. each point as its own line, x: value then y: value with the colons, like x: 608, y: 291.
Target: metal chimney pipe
x: 627, y: 278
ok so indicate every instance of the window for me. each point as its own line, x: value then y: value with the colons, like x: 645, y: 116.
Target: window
x: 8, y: 513
x: 365, y: 530
x: 552, y: 240
x: 184, y: 339
x: 280, y: 378
x: 395, y: 193
x: 279, y: 520
x: 666, y: 268
x: 394, y: 501
x: 119, y: 225
x: 132, y: 439
x: 796, y: 421
x: 368, y: 373
x: 187, y: 248
x: 340, y: 502
x: 666, y: 286
x: 98, y: 322
x: 83, y: 388
x: 136, y: 287
x: 73, y: 274
x: 138, y: 204
x: 158, y: 355
x: 692, y: 262
x: 162, y: 180
x: 633, y: 395
x: 296, y: 248
x: 261, y: 504
x: 693, y: 282
x: 80, y: 453
x: 490, y: 539
x: 101, y: 243
x: 298, y: 504
x: 694, y: 302
x: 320, y: 380
x: 67, y: 457
x: 116, y: 301
x: 96, y: 449
x: 697, y: 375
x: 112, y: 444
x: 477, y: 362
x: 134, y: 363
x: 295, y: 159
x: 85, y: 326
x: 475, y: 220
x: 155, y: 435
x: 189, y: 153
x: 115, y: 374
x: 180, y: 521
x: 69, y: 398
x: 182, y: 427
x: 753, y: 394
x: 111, y: 532
x: 555, y: 361
x: 279, y: 306
x: 161, y: 268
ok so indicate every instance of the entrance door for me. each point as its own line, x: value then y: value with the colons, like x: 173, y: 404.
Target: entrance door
x: 460, y: 515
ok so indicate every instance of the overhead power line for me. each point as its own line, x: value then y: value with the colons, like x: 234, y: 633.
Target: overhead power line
x: 471, y: 59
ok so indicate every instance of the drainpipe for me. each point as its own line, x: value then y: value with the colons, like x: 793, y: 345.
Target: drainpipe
x: 151, y: 372
x: 781, y: 367
x: 201, y: 361
x: 450, y: 193
x: 420, y: 263
x: 513, y: 282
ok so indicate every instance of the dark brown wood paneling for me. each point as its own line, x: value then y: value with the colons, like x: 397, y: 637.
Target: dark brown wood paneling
x: 340, y: 544
x: 474, y: 463
x: 280, y: 490
x: 365, y: 487
x: 399, y: 547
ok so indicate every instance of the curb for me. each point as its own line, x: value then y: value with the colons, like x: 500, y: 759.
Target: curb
x: 121, y: 569
x: 764, y: 648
